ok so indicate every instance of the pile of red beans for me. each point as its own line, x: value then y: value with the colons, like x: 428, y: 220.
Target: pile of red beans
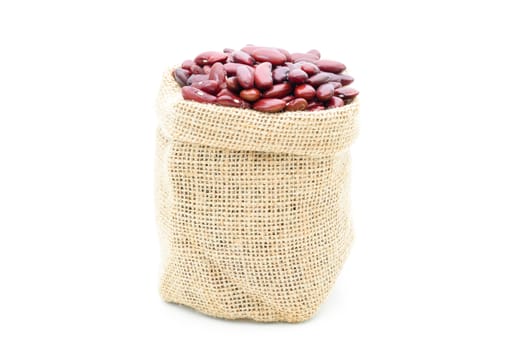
x: 265, y: 79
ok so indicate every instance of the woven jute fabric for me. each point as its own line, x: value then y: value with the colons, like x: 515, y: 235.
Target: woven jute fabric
x: 252, y: 208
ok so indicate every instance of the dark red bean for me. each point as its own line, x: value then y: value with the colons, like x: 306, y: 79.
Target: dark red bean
x: 226, y: 92
x: 305, y: 91
x: 297, y: 104
x: 196, y: 69
x: 181, y: 76
x: 316, y: 108
x: 309, y: 67
x: 278, y: 91
x: 336, y: 84
x: 249, y: 49
x: 233, y: 83
x: 320, y: 78
x: 197, y: 77
x: 273, y: 56
x: 270, y: 105
x: 297, y: 76
x: 325, y: 92
x: 243, y: 57
x: 231, y: 68
x: 335, y: 102
x: 206, y: 69
x: 346, y: 92
x: 288, y: 98
x: 228, y: 50
x: 218, y: 73
x: 297, y: 57
x: 286, y: 54
x: 229, y: 101
x: 280, y: 74
x: 194, y: 94
x: 245, y: 76
x: 330, y: 66
x: 263, y: 75
x: 315, y: 53
x: 346, y: 79
x: 209, y: 86
x: 187, y: 64
x: 210, y: 57
x: 250, y: 95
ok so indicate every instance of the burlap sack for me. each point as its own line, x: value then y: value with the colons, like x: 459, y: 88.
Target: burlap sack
x: 252, y: 207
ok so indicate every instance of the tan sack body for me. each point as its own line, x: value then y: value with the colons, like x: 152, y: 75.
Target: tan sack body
x: 253, y: 208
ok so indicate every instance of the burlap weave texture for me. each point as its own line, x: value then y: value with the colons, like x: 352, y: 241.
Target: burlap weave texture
x: 252, y: 208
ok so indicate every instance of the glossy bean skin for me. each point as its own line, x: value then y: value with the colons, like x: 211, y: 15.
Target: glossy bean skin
x: 197, y: 77
x: 245, y: 77
x: 250, y: 95
x: 305, y: 91
x: 278, y: 90
x: 209, y: 86
x: 288, y: 98
x: 297, y: 76
x: 196, y: 69
x: 330, y: 66
x: 273, y: 56
x: 181, y: 76
x: 227, y: 92
x: 229, y: 101
x: 309, y: 67
x: 297, y: 104
x: 243, y: 57
x: 346, y: 92
x: 232, y: 83
x: 280, y: 74
x: 218, y: 73
x: 187, y: 64
x: 346, y: 79
x: 336, y: 84
x: 270, y: 105
x: 206, y: 68
x: 210, y: 57
x: 263, y: 75
x: 231, y: 68
x: 335, y: 102
x: 194, y: 94
x: 325, y: 92
x: 320, y: 78
x: 316, y: 108
x: 228, y: 50
x: 297, y: 57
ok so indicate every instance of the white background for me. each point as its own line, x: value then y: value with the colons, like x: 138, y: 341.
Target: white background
x: 437, y: 190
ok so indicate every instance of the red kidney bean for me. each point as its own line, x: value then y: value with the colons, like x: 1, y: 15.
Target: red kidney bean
x: 305, y: 91
x: 245, y: 76
x: 335, y: 102
x: 243, y: 57
x: 196, y: 69
x: 270, y: 105
x: 346, y: 79
x: 336, y: 84
x: 210, y: 57
x: 273, y: 56
x: 278, y: 91
x: 226, y: 92
x: 229, y: 101
x: 206, y: 69
x: 209, y: 86
x: 231, y: 68
x: 181, y: 76
x: 218, y: 73
x: 233, y: 83
x: 249, y: 49
x: 297, y: 57
x: 330, y: 66
x: 309, y: 67
x: 346, y: 92
x: 297, y: 104
x: 297, y: 76
x: 315, y: 53
x: 325, y: 92
x: 320, y: 78
x: 263, y: 75
x: 187, y: 64
x: 197, y: 77
x: 316, y: 108
x: 228, y: 50
x: 280, y: 74
x: 288, y: 98
x: 286, y: 54
x: 194, y: 94
x: 250, y: 95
